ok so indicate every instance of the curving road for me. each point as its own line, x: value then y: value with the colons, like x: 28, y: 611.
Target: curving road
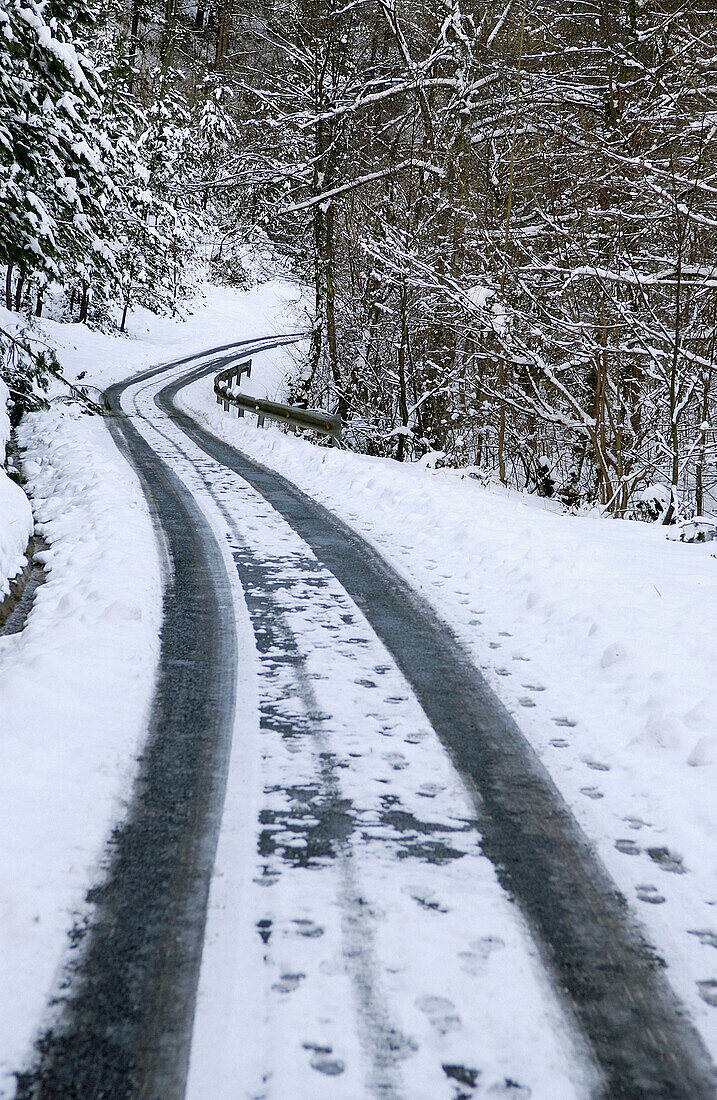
x: 338, y: 635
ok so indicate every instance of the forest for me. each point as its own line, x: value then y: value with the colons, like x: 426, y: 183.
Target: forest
x: 505, y: 214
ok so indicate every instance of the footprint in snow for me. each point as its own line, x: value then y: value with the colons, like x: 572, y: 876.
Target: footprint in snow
x: 430, y: 790
x: 264, y: 929
x: 534, y: 687
x: 526, y: 701
x: 486, y: 945
x: 288, y: 983
x: 592, y: 792
x: 628, y: 847
x: 441, y: 1013
x: 649, y: 894
x: 559, y: 743
x: 510, y: 1089
x: 635, y: 822
x: 428, y: 900
x: 414, y: 738
x: 667, y: 860
x: 462, y: 1074
x: 306, y: 928
x: 503, y: 671
x: 595, y: 764
x: 480, y: 950
x: 331, y: 1067
x: 494, y: 645
x: 568, y: 722
x: 705, y: 936
x: 396, y: 760
x: 708, y: 991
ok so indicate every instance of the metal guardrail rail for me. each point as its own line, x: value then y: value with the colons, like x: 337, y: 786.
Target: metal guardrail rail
x: 226, y: 395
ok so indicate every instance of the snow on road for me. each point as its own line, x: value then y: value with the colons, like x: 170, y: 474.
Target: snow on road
x: 598, y: 635
x: 601, y: 638
x: 358, y: 942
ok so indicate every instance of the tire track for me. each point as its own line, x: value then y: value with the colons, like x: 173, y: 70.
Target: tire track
x: 597, y: 954
x: 124, y: 1015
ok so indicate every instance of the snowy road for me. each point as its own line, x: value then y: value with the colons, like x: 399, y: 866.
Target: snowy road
x: 382, y: 817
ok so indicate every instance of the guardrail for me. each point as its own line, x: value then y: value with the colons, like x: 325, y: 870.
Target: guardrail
x: 226, y: 395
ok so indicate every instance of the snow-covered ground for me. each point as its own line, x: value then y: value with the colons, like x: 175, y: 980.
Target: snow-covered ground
x: 76, y: 685
x: 598, y: 635
x: 601, y: 638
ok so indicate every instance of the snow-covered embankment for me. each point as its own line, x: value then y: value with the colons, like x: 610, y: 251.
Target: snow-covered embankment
x: 15, y: 511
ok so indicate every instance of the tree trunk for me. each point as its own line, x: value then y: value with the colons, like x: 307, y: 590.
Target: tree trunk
x: 134, y: 37
x: 18, y: 291
x: 223, y: 33
x: 125, y: 311
x: 8, y: 286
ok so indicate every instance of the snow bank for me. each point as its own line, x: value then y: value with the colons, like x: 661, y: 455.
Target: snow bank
x: 76, y: 686
x: 15, y: 511
x: 599, y: 635
x: 103, y: 358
